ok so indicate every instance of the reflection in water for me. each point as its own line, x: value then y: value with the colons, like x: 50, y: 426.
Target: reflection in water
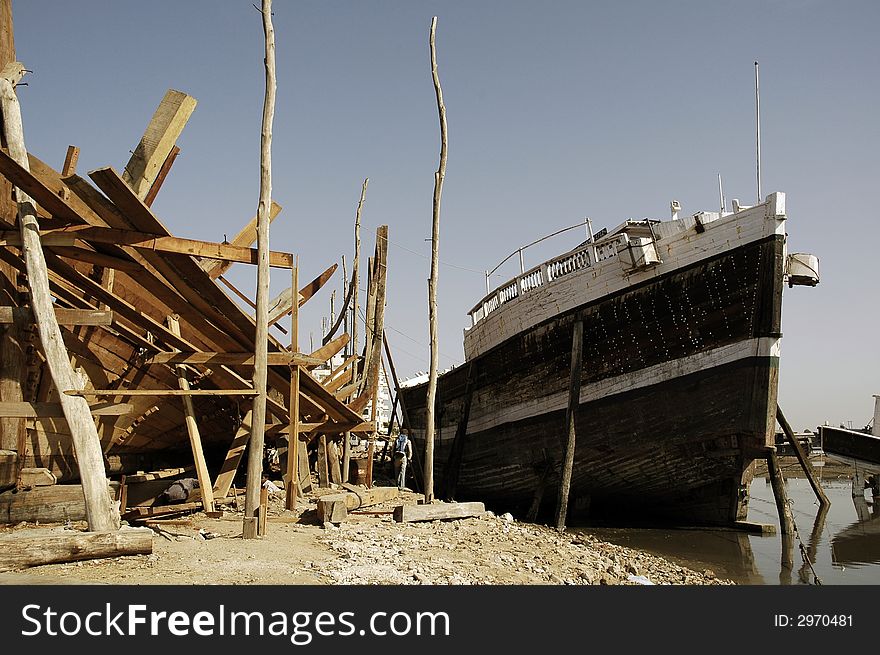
x: 839, y: 544
x: 859, y: 544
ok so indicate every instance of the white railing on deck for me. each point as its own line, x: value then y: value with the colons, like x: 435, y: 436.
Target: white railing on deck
x: 530, y: 280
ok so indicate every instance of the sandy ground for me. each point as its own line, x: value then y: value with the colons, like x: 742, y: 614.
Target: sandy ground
x: 369, y: 548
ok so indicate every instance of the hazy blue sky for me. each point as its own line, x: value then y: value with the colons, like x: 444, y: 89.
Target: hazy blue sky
x: 556, y: 111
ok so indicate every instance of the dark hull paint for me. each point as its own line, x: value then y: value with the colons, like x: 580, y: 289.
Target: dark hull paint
x: 680, y: 448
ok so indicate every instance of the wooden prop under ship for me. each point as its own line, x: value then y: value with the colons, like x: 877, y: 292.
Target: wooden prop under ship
x: 164, y: 354
x: 676, y: 395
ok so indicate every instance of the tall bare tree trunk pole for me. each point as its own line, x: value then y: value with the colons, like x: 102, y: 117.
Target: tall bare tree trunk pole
x: 101, y: 514
x: 356, y: 269
x: 261, y: 353
x: 432, y: 281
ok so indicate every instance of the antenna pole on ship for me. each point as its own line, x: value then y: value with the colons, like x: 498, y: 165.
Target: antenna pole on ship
x: 721, y: 192
x: 758, y: 133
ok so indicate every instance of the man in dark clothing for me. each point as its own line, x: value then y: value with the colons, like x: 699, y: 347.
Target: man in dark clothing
x: 402, y: 456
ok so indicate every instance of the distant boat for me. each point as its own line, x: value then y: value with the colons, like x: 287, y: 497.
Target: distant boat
x: 681, y: 336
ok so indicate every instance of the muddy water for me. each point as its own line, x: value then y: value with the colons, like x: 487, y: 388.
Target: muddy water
x: 842, y: 544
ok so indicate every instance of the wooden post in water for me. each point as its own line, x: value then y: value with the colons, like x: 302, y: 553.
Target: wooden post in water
x: 802, y: 458
x: 786, y: 522
x: 261, y: 353
x: 574, y: 396
x: 439, y: 176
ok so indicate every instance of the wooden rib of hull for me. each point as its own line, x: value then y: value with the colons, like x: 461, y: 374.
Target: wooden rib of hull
x: 653, y: 434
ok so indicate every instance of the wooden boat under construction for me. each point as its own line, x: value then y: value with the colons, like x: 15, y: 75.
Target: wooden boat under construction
x: 676, y: 396
x: 164, y: 353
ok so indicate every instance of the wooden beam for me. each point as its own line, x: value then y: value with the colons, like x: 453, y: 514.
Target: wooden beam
x: 233, y: 457
x: 159, y: 138
x: 54, y: 410
x: 281, y: 305
x: 192, y: 429
x: 325, y: 353
x: 93, y: 257
x: 244, y: 239
x: 245, y: 359
x: 802, y: 458
x: 63, y: 316
x: 160, y: 177
x: 437, y: 512
x: 70, y: 161
x: 28, y: 548
x: 73, y: 235
x: 55, y: 504
x: 291, y: 480
x: 101, y: 513
x: 159, y: 392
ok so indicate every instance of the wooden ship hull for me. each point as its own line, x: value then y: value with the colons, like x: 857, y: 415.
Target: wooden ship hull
x: 679, y: 370
x: 143, y: 313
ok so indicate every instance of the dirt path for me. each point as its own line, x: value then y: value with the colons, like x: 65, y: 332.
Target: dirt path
x: 369, y: 548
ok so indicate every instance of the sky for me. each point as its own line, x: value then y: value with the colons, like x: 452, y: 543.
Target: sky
x: 556, y: 112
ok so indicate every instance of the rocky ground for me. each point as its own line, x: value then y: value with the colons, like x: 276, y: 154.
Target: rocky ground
x: 369, y: 548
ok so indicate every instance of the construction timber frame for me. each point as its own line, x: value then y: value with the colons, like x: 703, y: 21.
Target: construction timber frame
x: 159, y: 347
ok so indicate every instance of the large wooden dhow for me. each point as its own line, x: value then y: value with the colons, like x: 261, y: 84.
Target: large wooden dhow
x: 679, y: 369
x: 164, y: 353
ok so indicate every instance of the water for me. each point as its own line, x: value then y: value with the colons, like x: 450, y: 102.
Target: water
x: 842, y: 543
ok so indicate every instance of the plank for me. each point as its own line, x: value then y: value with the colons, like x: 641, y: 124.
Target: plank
x: 63, y: 316
x: 37, y: 477
x: 233, y: 457
x: 55, y: 504
x: 246, y: 236
x: 326, y: 352
x: 246, y: 359
x: 72, y: 235
x: 53, y: 410
x: 158, y: 140
x: 281, y: 305
x: 157, y: 475
x: 192, y: 429
x: 160, y: 392
x: 26, y: 548
x: 437, y: 511
x: 160, y: 177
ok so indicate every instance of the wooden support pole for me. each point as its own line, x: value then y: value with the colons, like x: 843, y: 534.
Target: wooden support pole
x: 786, y: 522
x: 291, y: 481
x: 333, y: 462
x: 802, y: 458
x: 264, y: 511
x: 255, y: 452
x: 13, y: 346
x: 355, y: 273
x: 192, y: 429
x: 439, y: 176
x: 574, y: 395
x: 102, y: 514
x: 323, y: 473
x: 233, y: 457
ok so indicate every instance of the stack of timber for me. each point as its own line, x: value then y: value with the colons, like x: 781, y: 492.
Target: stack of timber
x: 165, y: 354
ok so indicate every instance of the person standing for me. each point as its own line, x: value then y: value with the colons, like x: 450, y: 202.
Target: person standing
x: 402, y: 456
